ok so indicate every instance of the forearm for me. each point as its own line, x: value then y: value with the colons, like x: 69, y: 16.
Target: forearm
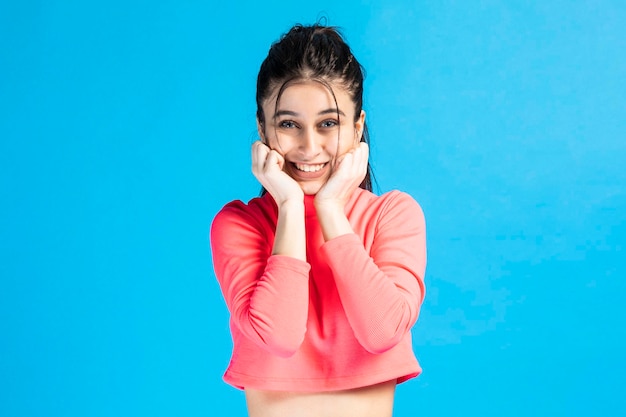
x: 381, y: 299
x: 273, y: 313
x: 266, y: 295
x: 290, y: 237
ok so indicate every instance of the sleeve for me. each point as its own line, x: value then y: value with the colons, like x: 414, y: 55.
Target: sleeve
x: 266, y: 295
x: 382, y: 291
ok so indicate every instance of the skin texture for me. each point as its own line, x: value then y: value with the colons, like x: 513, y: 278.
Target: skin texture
x: 305, y: 129
x: 373, y: 401
x: 306, y: 133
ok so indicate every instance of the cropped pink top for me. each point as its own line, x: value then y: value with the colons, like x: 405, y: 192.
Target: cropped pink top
x: 340, y: 320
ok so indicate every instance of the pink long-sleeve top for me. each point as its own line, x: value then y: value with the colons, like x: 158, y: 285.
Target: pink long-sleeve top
x: 340, y: 320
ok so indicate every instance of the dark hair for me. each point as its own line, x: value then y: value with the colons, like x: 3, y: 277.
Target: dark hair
x: 314, y: 52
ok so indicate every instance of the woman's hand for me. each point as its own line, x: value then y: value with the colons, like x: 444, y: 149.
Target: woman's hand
x: 350, y: 170
x: 331, y: 199
x: 267, y: 167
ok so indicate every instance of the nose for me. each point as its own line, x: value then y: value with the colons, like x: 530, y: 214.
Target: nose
x: 310, y: 143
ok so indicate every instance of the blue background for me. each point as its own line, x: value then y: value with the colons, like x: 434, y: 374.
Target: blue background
x: 125, y: 126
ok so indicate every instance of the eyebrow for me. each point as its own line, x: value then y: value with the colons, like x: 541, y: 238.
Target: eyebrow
x: 293, y: 113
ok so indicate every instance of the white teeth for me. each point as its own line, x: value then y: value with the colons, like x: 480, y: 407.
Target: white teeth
x: 309, y: 168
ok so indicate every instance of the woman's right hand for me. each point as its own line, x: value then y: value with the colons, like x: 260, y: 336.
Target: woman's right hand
x: 267, y: 167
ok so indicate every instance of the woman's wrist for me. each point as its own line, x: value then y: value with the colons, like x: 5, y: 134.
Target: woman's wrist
x: 290, y: 198
x: 290, y: 237
x: 291, y: 204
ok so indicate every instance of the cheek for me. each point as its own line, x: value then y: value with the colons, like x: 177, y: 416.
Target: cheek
x: 281, y: 143
x: 347, y: 141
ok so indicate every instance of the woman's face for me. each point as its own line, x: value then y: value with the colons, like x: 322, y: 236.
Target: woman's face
x: 307, y: 131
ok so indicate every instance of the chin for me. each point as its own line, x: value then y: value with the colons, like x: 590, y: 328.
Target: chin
x: 310, y: 189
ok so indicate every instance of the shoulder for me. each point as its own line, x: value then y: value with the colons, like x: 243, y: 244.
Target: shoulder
x: 391, y: 201
x: 392, y: 210
x: 402, y: 210
x: 255, y: 212
x: 402, y: 200
x: 397, y: 197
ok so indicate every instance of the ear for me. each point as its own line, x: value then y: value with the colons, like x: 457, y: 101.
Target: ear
x: 259, y: 128
x: 359, y: 125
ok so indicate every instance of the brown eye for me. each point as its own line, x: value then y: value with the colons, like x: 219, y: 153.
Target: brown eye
x: 287, y: 124
x: 329, y: 123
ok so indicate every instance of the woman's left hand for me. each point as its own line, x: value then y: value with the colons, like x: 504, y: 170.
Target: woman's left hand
x: 350, y: 170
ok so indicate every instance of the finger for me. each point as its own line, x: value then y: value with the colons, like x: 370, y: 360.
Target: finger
x: 253, y: 153
x: 274, y: 160
x: 353, y: 167
x: 281, y: 160
x: 364, y: 147
x: 259, y: 156
x: 363, y: 156
x: 341, y: 159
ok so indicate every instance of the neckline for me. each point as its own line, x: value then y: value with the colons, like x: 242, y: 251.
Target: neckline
x: 309, y: 205
x: 309, y: 202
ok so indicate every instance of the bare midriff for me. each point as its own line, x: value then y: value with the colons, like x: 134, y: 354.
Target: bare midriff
x: 372, y: 401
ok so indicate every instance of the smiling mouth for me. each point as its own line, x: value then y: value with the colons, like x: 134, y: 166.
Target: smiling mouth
x: 309, y: 167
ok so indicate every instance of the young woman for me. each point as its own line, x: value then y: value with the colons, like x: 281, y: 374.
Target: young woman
x: 322, y: 278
